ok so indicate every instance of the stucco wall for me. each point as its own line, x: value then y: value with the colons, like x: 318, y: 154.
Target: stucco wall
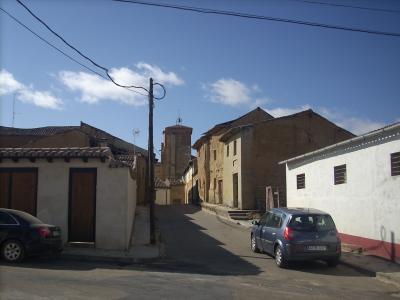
x: 232, y: 165
x: 163, y: 196
x: 115, y: 198
x: 368, y: 204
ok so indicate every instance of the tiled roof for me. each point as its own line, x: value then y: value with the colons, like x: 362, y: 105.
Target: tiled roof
x: 40, y: 131
x: 159, y: 184
x: 85, y: 152
x: 116, y: 144
x: 128, y: 160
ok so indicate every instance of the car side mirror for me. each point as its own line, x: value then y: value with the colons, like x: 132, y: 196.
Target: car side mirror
x: 255, y: 222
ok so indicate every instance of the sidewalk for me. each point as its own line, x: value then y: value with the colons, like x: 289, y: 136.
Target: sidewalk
x: 137, y: 254
x: 382, y: 269
x: 140, y: 250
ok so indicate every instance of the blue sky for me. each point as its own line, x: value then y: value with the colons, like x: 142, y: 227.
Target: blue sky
x: 215, y: 68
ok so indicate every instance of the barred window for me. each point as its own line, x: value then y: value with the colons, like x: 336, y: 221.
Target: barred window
x: 301, y: 181
x: 340, y: 174
x: 395, y: 163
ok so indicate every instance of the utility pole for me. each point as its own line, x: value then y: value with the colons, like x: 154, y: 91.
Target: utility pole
x: 150, y: 154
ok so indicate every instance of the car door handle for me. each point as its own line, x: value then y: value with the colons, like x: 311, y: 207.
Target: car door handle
x: 274, y: 233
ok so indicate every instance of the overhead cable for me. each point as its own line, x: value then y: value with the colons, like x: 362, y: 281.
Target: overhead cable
x: 259, y: 17
x: 349, y: 6
x: 58, y: 49
x: 78, y: 51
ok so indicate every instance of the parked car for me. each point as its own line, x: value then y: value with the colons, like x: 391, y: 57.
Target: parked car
x: 293, y: 234
x: 22, y: 234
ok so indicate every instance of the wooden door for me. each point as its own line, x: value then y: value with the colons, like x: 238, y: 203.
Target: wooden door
x: 82, y: 205
x: 18, y: 189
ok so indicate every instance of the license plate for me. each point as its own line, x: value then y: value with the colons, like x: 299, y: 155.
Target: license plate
x: 316, y: 248
x: 56, y: 233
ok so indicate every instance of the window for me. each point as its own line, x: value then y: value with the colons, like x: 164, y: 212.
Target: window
x: 227, y: 150
x: 395, y: 163
x: 340, y: 174
x: 215, y: 183
x: 301, y: 181
x: 234, y: 147
x: 273, y: 220
x: 6, y: 219
x: 215, y: 154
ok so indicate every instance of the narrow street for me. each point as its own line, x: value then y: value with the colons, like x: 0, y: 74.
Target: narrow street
x: 206, y: 258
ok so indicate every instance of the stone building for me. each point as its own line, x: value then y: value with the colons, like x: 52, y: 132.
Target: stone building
x: 210, y: 155
x: 175, y: 157
x: 252, y: 177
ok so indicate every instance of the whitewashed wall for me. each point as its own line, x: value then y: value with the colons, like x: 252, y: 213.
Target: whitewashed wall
x: 368, y: 205
x: 115, y: 198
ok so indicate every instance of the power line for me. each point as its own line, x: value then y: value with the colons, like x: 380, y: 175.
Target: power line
x: 79, y: 52
x: 349, y: 6
x: 57, y: 49
x: 259, y: 17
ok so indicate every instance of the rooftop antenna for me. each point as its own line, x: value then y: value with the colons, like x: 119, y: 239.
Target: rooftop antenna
x: 135, y: 132
x: 179, y: 119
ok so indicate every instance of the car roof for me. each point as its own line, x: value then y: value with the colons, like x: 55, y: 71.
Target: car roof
x: 299, y: 210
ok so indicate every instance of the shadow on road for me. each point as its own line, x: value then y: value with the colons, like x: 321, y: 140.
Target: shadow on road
x: 192, y: 250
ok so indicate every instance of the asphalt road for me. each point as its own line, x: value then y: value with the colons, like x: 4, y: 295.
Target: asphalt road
x: 206, y: 258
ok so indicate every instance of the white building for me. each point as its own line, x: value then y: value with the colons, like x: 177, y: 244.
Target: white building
x: 358, y: 182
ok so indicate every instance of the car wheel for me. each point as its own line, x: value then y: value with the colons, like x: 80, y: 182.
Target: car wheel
x: 280, y: 258
x: 332, y: 262
x: 253, y: 245
x: 13, y: 251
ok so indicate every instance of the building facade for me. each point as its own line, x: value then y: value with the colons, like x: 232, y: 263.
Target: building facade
x: 77, y: 177
x: 252, y: 153
x: 210, y: 156
x: 175, y: 157
x: 358, y: 183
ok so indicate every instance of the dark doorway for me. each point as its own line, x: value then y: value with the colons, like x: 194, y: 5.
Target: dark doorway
x: 235, y: 190
x: 220, y: 192
x: 18, y: 189
x: 82, y: 205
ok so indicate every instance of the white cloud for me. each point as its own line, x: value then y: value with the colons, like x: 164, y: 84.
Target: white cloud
x: 232, y: 92
x: 94, y: 89
x: 284, y: 111
x: 355, y: 125
x: 27, y: 94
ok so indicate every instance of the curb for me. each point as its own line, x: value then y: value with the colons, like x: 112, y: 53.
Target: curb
x: 113, y: 259
x: 358, y: 268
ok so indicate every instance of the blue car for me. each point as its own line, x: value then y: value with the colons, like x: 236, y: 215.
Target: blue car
x: 295, y: 234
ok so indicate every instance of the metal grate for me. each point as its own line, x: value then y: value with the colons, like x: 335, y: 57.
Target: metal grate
x: 301, y: 181
x: 395, y: 163
x: 340, y: 174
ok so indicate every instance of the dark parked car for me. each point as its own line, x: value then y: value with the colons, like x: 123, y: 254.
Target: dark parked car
x: 291, y: 234
x: 21, y: 235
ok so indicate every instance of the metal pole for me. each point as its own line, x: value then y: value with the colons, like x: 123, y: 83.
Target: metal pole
x: 151, y: 164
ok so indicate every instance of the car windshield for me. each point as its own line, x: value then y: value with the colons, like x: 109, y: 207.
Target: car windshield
x: 312, y: 223
x: 27, y: 217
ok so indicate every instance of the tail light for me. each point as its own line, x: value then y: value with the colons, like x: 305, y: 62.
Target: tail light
x: 44, y: 232
x: 288, y: 234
